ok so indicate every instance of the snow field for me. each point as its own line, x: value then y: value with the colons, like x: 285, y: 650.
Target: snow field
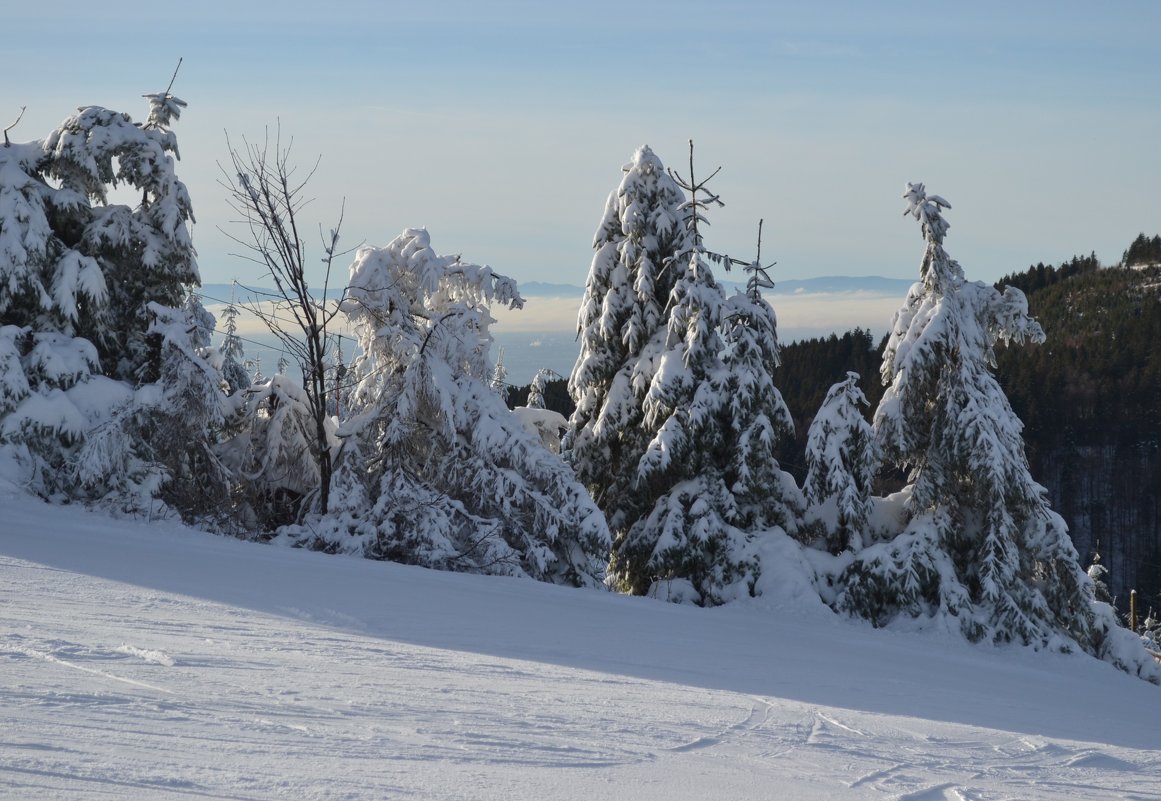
x: 150, y: 661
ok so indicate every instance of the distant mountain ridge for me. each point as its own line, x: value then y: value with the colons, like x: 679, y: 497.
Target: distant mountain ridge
x: 830, y: 284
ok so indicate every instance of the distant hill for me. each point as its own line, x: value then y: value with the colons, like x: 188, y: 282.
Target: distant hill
x: 871, y: 284
x: 249, y: 293
x: 539, y: 289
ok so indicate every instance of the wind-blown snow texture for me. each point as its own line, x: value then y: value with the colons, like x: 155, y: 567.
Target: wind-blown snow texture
x: 154, y: 662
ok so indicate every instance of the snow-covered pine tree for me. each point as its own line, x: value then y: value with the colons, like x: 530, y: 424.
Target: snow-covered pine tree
x: 759, y: 419
x: 49, y: 293
x: 78, y: 274
x: 42, y: 409
x: 145, y: 254
x: 182, y: 412
x: 620, y: 319
x: 233, y: 355
x: 499, y: 380
x: 981, y: 551
x: 715, y: 417
x: 841, y: 460
x: 256, y: 365
x: 1098, y: 573
x: 669, y: 432
x: 536, y: 388
x: 157, y: 442
x: 435, y: 469
x: 45, y: 283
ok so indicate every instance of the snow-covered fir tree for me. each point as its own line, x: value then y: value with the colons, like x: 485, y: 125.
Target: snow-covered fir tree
x: 536, y: 388
x: 434, y: 469
x: 689, y: 534
x: 499, y: 380
x: 77, y: 277
x: 255, y: 365
x: 233, y: 355
x: 981, y: 551
x: 620, y: 316
x: 185, y: 405
x: 145, y: 254
x: 45, y: 282
x: 43, y: 394
x: 1099, y: 575
x: 669, y: 432
x: 841, y: 460
x: 758, y: 417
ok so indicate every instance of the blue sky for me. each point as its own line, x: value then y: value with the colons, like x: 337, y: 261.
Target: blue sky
x: 503, y: 126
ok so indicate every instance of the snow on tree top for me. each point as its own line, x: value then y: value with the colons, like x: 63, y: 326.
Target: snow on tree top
x: 928, y: 210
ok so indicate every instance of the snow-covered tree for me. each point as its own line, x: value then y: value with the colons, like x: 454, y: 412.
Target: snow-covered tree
x: 153, y: 449
x: 690, y: 533
x: 499, y: 380
x: 233, y: 355
x: 144, y: 254
x: 981, y: 550
x: 536, y: 388
x: 621, y: 327
x: 186, y: 405
x: 50, y: 295
x: 1099, y: 574
x: 435, y: 469
x: 841, y: 460
x: 120, y: 401
x: 622, y: 312
x: 671, y: 432
x: 45, y: 283
x: 41, y: 421
x: 758, y: 416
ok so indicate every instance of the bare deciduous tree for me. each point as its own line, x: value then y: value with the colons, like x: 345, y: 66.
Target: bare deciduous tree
x: 264, y: 191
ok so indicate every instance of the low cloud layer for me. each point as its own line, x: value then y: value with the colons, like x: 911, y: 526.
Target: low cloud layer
x: 800, y: 316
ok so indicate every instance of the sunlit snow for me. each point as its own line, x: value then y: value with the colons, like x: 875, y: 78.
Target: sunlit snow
x: 145, y: 660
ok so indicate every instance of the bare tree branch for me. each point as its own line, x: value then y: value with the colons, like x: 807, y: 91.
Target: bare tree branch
x: 268, y: 198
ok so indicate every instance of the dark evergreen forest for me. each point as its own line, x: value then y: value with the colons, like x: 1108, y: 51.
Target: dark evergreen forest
x: 1089, y: 397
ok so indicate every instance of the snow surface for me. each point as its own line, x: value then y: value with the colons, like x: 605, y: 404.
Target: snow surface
x: 147, y: 660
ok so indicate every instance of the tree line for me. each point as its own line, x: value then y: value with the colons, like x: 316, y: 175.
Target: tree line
x: 668, y: 481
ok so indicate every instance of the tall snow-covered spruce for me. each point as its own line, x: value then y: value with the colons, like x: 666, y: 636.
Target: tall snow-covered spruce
x: 435, y: 470
x: 667, y: 393
x: 981, y: 552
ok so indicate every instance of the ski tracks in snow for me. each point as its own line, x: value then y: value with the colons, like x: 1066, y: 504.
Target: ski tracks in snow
x: 883, y: 757
x: 114, y: 691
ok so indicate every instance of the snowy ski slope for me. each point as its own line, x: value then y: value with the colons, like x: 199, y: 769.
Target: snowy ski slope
x: 155, y: 662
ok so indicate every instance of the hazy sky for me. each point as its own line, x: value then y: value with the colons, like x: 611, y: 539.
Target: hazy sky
x: 502, y: 126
